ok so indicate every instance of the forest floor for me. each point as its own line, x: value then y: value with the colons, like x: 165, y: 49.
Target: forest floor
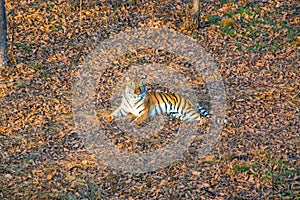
x: 255, y: 45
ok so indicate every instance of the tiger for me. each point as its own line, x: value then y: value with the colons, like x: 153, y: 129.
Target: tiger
x: 142, y: 105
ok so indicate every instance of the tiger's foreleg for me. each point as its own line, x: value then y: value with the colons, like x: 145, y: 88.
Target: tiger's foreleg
x: 119, y: 112
x: 140, y: 119
x: 144, y: 115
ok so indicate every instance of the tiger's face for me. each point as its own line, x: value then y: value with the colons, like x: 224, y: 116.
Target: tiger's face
x: 136, y: 89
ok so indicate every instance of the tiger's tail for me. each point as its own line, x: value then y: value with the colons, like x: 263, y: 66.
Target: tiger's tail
x: 204, y: 113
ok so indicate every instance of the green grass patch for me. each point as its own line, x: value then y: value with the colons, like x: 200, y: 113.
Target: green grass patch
x: 255, y: 47
x: 55, y: 27
x: 141, y: 60
x: 213, y: 19
x: 21, y: 84
x: 25, y: 47
x: 45, y: 75
x: 259, y: 30
x: 18, y: 45
x: 250, y: 11
x: 241, y: 168
x: 128, y: 55
x: 36, y: 67
x: 279, y: 173
x: 227, y: 1
x: 197, y: 37
x: 228, y: 31
x: 267, y: 20
x: 50, y: 6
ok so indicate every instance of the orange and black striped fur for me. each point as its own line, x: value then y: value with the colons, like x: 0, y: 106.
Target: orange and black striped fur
x: 143, y: 105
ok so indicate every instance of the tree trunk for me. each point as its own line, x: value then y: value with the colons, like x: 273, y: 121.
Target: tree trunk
x: 196, y: 12
x: 3, y: 42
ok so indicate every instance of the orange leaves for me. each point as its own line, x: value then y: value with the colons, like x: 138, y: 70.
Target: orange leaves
x: 196, y: 173
x: 227, y: 7
x: 36, y: 171
x: 287, y: 88
x: 272, y: 93
x: 69, y: 165
x: 256, y: 48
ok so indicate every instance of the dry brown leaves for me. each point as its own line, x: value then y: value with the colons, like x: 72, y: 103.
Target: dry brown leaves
x: 257, y: 48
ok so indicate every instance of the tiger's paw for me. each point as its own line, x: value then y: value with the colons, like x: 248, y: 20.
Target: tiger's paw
x: 138, y: 121
x: 105, y: 116
x: 109, y: 118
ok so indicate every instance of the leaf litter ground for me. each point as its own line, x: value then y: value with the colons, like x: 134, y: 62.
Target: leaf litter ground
x: 256, y: 45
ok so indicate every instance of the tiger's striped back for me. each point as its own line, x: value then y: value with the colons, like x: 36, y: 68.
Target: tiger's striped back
x: 177, y: 105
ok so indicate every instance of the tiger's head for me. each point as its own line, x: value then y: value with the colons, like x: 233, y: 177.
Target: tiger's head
x: 136, y: 89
